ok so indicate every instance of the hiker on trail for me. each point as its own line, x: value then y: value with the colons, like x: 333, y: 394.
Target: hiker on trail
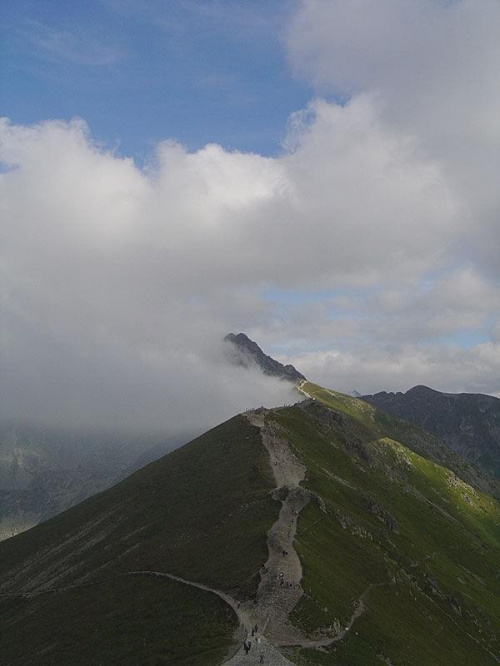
x: 256, y: 628
x: 261, y: 660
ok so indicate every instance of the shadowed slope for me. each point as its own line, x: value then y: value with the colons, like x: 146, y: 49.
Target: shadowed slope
x: 122, y: 621
x: 201, y: 512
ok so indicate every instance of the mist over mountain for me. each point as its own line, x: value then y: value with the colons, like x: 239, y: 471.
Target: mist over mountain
x: 247, y: 353
x: 47, y: 469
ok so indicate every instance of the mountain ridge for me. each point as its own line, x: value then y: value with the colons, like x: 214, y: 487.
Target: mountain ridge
x: 383, y: 537
x: 45, y: 470
x: 246, y: 352
x: 469, y: 423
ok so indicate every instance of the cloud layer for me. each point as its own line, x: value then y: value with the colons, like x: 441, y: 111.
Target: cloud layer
x: 366, y: 253
x: 433, y: 65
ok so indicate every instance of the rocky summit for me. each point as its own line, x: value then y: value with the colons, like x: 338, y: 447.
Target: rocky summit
x: 247, y: 353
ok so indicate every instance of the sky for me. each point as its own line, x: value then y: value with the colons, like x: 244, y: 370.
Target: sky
x: 320, y: 174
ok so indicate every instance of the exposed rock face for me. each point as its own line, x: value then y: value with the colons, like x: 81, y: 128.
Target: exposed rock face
x: 468, y: 423
x: 382, y: 514
x: 247, y: 353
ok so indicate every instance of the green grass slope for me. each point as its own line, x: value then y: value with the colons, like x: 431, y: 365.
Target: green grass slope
x: 126, y: 621
x: 201, y: 513
x: 376, y: 421
x: 419, y: 547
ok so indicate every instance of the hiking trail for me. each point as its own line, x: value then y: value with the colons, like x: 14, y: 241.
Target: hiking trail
x: 279, y: 589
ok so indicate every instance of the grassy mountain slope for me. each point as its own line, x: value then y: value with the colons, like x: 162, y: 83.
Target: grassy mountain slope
x: 201, y: 513
x: 45, y: 470
x: 397, y: 548
x: 469, y: 423
x: 419, y: 547
x: 379, y: 422
x: 126, y: 621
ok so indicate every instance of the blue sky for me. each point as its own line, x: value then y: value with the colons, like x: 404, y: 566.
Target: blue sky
x: 141, y: 72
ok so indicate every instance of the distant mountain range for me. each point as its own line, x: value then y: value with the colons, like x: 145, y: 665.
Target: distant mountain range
x: 247, y: 353
x: 468, y: 423
x: 45, y: 470
x: 331, y: 526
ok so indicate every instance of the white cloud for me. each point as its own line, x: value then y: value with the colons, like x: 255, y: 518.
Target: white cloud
x: 71, y: 46
x: 435, y: 62
x: 119, y: 282
x: 434, y: 66
x: 399, y: 367
x: 431, y: 66
x: 111, y: 272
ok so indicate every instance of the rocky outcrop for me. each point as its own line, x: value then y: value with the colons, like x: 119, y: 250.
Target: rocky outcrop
x: 247, y: 353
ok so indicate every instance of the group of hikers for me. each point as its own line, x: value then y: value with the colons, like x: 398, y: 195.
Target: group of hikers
x: 283, y: 582
x: 247, y: 645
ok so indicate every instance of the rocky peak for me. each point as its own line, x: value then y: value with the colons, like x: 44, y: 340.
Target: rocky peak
x: 247, y: 353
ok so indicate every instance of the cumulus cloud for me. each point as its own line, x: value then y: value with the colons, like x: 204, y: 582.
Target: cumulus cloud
x: 433, y: 65
x: 443, y: 332
x: 368, y: 369
x: 119, y: 281
x: 434, y: 61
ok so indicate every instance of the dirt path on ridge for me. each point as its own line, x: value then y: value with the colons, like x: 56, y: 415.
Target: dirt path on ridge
x: 241, y: 614
x: 275, y: 601
x: 279, y: 590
